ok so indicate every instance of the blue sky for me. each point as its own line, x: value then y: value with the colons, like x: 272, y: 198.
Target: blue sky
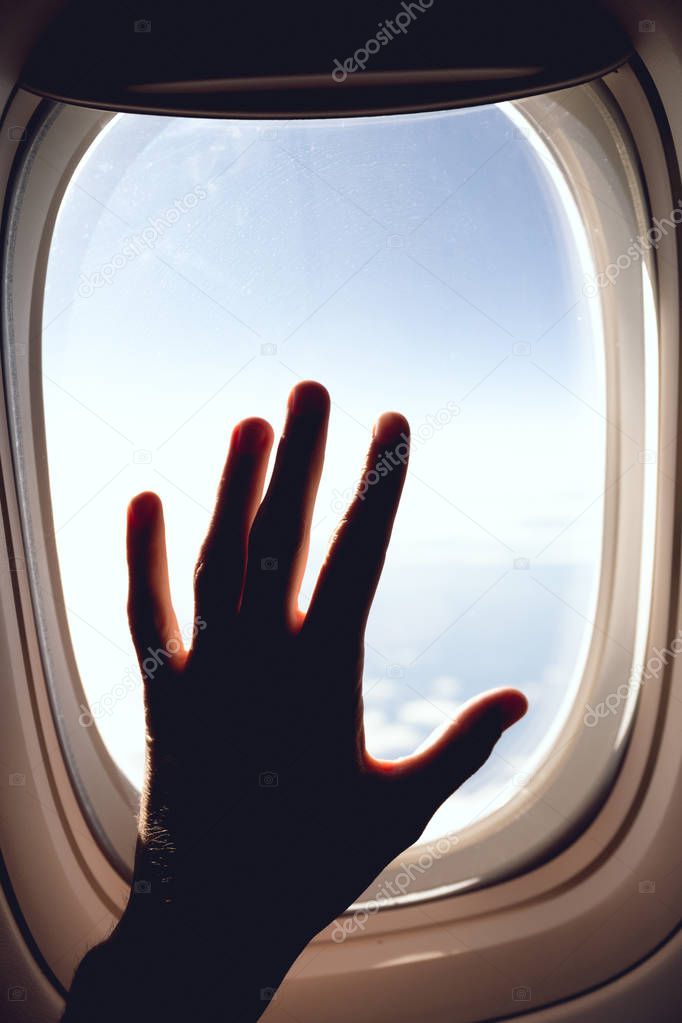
x: 424, y: 263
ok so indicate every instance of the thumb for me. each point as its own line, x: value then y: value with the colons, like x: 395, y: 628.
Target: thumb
x: 433, y: 773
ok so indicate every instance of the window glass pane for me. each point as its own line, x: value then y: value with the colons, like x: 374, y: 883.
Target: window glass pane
x: 426, y: 263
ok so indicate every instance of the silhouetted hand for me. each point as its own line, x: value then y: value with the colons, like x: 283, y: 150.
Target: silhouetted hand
x: 263, y: 815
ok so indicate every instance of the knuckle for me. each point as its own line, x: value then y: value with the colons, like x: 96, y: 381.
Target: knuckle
x: 201, y: 573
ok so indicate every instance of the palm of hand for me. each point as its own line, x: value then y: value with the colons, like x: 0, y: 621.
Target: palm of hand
x: 257, y: 763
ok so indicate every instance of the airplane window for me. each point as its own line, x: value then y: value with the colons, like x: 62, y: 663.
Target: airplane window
x: 430, y: 263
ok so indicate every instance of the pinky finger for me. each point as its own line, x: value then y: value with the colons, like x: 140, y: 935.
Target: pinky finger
x: 153, y: 625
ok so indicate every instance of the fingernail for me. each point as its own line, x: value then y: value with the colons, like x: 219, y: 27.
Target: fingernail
x: 308, y: 399
x: 511, y: 712
x: 391, y: 426
x: 250, y: 436
x: 142, y: 509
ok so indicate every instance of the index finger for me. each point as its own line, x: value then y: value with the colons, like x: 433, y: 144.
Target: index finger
x: 350, y: 575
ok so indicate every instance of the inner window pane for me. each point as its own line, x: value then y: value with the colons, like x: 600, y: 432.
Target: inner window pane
x: 427, y: 263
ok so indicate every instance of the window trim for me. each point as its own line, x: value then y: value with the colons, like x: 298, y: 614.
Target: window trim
x: 559, y: 890
x: 535, y: 818
x: 109, y: 798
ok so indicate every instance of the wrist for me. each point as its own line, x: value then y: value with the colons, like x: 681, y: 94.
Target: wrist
x: 153, y: 966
